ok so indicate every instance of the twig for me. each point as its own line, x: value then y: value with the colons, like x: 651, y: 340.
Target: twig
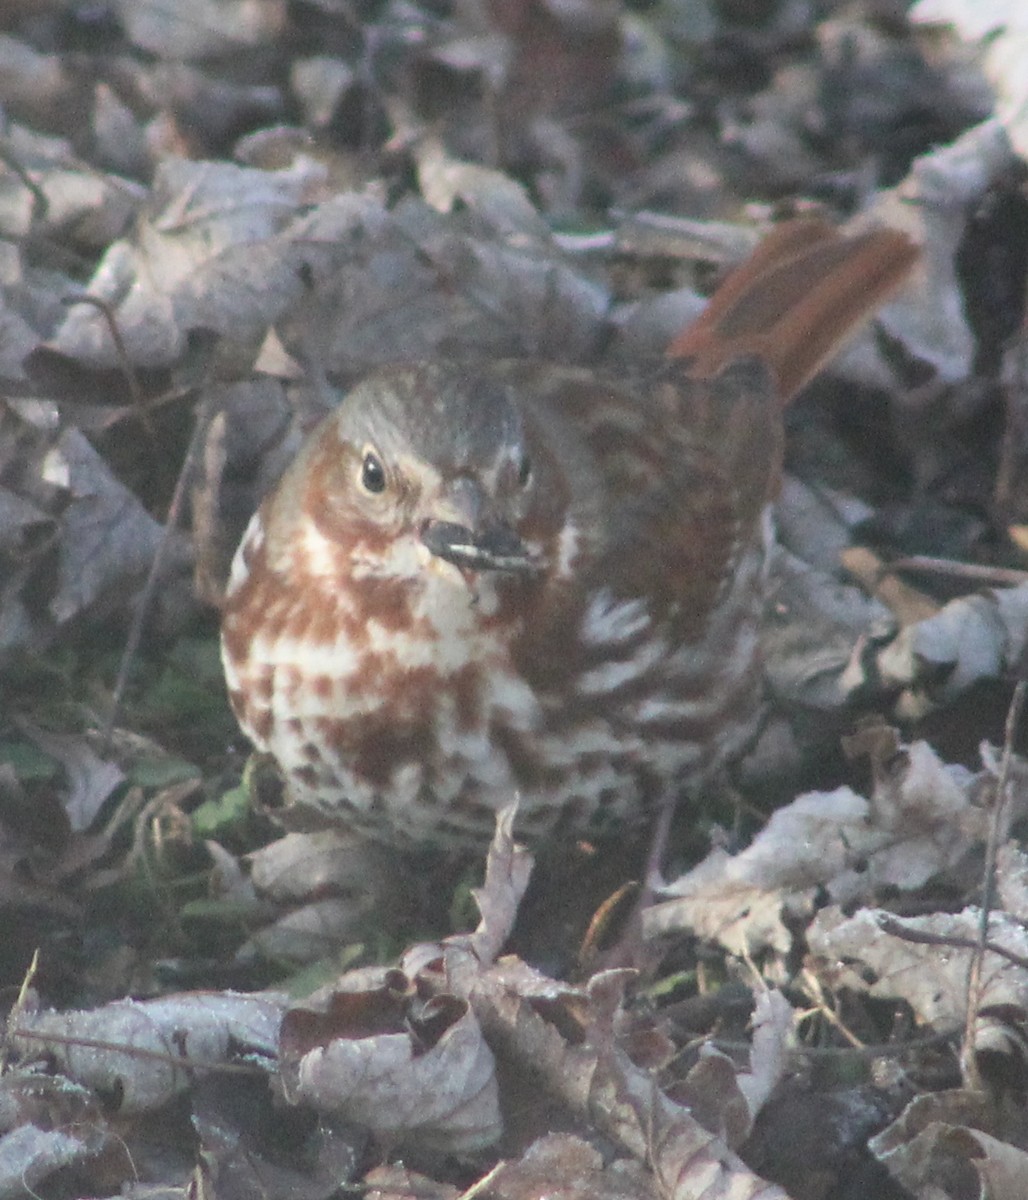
x: 922, y: 937
x: 40, y: 201
x: 974, y: 974
x: 127, y: 369
x: 979, y: 572
x: 135, y: 633
x: 182, y: 1061
x: 864, y: 1051
x: 822, y: 1006
x: 19, y: 1007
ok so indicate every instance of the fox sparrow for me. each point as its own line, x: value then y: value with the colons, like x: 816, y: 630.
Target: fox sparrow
x: 485, y: 579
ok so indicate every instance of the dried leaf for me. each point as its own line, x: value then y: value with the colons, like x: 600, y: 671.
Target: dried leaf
x: 573, y: 1169
x: 919, y: 822
x: 201, y: 28
x: 144, y: 1041
x: 107, y: 539
x: 406, y: 1069
x: 90, y: 778
x: 1000, y: 28
x: 185, y: 267
x: 507, y: 870
x: 932, y: 977
x: 599, y: 1083
x: 971, y: 639
x: 942, y: 1155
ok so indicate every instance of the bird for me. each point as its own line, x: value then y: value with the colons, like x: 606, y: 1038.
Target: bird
x: 488, y: 579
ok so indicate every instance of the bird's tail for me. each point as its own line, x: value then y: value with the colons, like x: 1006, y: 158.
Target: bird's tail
x: 803, y: 291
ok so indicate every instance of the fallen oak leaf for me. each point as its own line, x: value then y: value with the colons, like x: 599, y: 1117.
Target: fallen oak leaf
x: 407, y: 1067
x: 595, y: 1078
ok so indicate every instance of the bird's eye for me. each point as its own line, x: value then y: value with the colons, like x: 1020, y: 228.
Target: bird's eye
x: 373, y: 476
x: 524, y: 470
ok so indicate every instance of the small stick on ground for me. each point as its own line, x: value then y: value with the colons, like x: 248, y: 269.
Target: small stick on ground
x: 969, y: 1065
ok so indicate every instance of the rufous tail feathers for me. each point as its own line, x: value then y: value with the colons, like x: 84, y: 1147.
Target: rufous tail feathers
x: 800, y: 294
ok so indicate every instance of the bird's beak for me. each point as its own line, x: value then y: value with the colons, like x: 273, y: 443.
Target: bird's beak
x: 495, y: 548
x: 460, y: 530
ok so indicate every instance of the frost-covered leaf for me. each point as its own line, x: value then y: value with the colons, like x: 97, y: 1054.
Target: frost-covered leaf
x: 919, y: 821
x: 29, y: 1155
x: 144, y: 1042
x: 1000, y: 27
x: 932, y: 976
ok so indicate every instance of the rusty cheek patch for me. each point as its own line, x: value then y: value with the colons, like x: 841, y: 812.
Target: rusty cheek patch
x: 331, y: 472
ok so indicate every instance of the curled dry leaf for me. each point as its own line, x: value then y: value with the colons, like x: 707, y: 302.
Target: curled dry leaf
x: 919, y: 822
x: 75, y: 541
x: 400, y: 1183
x: 340, y: 884
x: 508, y: 867
x: 306, y: 934
x: 410, y: 1069
x: 973, y: 638
x: 814, y: 623
x: 416, y: 283
x: 722, y: 1097
x: 170, y: 278
x: 941, y: 1139
x: 594, y: 1078
x: 144, y: 1042
x: 772, y: 1036
x: 711, y: 1093
x: 90, y: 778
x: 931, y: 204
x: 73, y: 197
x: 302, y: 866
x: 106, y: 536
